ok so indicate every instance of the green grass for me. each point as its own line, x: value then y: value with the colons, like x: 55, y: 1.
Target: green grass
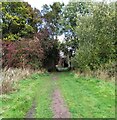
x: 16, y: 104
x: 85, y: 97
x: 88, y: 97
x: 43, y: 109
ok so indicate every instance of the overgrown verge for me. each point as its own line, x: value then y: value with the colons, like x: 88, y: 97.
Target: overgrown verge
x: 107, y: 73
x: 17, y: 104
x: 10, y: 78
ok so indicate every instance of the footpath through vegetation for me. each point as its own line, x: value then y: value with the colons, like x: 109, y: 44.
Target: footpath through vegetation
x: 60, y: 95
x: 77, y: 36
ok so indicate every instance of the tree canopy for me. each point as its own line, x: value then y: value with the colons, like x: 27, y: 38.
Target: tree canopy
x: 88, y: 27
x: 19, y: 19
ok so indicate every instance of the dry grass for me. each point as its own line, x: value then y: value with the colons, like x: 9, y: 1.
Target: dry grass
x: 101, y: 74
x: 11, y: 76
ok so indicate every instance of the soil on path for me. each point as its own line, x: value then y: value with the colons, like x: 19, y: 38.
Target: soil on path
x: 32, y: 110
x: 59, y: 108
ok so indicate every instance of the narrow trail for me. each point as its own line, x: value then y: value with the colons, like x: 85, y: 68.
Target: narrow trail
x: 59, y: 108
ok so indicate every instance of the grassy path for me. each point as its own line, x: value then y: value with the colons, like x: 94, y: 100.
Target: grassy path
x: 84, y: 97
x: 59, y: 107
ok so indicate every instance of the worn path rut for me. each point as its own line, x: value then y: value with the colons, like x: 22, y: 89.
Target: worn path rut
x: 31, y: 112
x: 59, y: 107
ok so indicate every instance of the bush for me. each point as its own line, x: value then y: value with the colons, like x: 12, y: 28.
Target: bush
x: 23, y: 53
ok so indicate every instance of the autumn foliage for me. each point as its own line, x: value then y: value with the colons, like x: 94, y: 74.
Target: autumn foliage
x: 24, y: 53
x: 30, y: 53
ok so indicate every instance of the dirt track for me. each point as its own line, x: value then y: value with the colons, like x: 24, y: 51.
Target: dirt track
x: 59, y: 107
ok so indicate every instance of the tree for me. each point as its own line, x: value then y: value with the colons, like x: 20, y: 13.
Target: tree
x: 69, y: 21
x: 50, y: 49
x: 19, y: 19
x: 96, y: 33
x: 51, y: 16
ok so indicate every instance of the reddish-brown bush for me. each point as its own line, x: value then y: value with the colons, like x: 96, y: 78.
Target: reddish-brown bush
x: 50, y: 47
x: 32, y: 53
x: 23, y: 53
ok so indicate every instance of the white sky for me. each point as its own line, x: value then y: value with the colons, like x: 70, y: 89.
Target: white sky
x: 39, y: 3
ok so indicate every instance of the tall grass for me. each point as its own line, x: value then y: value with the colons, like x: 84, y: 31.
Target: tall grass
x: 101, y: 74
x: 13, y: 75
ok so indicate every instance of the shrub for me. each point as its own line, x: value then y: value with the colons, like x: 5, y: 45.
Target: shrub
x: 50, y: 48
x: 23, y: 53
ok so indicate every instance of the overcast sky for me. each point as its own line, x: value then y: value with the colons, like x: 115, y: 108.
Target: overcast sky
x: 39, y: 3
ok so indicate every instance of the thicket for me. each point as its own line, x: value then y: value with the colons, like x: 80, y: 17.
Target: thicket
x: 26, y: 42
x: 30, y: 36
x: 24, y: 53
x: 96, y: 38
x: 90, y: 29
x: 33, y: 53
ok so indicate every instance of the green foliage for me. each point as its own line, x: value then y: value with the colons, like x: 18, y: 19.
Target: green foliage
x: 19, y: 19
x: 89, y: 28
x: 96, y: 32
x: 51, y: 15
x: 69, y: 20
